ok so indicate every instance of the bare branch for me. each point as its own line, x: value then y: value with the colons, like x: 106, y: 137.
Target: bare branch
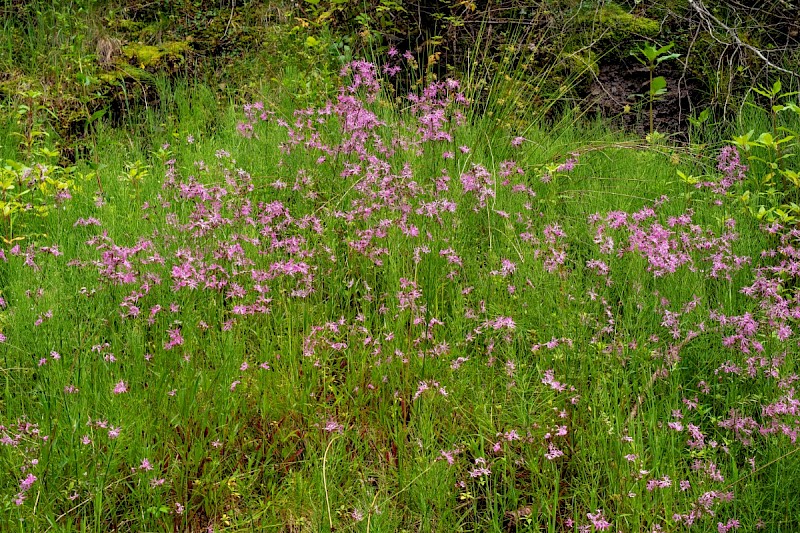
x: 711, y: 20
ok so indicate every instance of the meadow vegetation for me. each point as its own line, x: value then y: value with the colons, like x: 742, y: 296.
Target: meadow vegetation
x: 399, y: 303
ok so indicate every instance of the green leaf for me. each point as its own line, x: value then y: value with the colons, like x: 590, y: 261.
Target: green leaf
x: 665, y: 49
x: 658, y: 86
x: 667, y: 58
x: 766, y: 140
x: 691, y: 180
x: 649, y: 52
x: 762, y: 91
x: 743, y: 141
x: 792, y: 176
x: 791, y: 107
x: 97, y: 115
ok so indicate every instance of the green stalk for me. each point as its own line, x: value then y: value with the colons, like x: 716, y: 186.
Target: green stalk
x: 651, y: 98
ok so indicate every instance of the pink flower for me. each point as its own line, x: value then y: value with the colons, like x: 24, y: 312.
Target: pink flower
x: 175, y: 338
x: 449, y: 456
x: 120, y: 388
x: 553, y: 452
x: 333, y: 426
x: 480, y: 469
x: 26, y: 484
x: 724, y: 528
x: 598, y: 521
x: 145, y: 465
x: 567, y: 166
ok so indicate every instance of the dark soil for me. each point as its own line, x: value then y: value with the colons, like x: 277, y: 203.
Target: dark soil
x: 620, y: 93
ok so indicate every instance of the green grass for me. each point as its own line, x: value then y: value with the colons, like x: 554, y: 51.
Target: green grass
x: 335, y: 431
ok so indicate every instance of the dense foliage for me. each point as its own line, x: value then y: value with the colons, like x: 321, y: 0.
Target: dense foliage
x: 99, y: 57
x: 249, y: 281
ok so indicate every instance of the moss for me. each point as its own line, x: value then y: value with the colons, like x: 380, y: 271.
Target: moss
x: 604, y: 34
x: 127, y: 24
x: 146, y: 55
x: 111, y: 77
x: 176, y: 48
x: 623, y: 25
x: 143, y: 54
x: 611, y: 25
x: 584, y: 61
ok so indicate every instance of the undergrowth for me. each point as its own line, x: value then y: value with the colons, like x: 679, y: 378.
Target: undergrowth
x: 385, y: 313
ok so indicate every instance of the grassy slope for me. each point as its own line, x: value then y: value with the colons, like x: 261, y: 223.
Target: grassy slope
x: 329, y: 432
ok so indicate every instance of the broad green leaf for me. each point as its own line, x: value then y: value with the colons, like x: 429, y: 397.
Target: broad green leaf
x: 792, y: 176
x: 791, y: 106
x: 766, y: 139
x: 664, y: 49
x: 667, y: 58
x: 650, y: 52
x: 658, y: 86
x: 762, y: 92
